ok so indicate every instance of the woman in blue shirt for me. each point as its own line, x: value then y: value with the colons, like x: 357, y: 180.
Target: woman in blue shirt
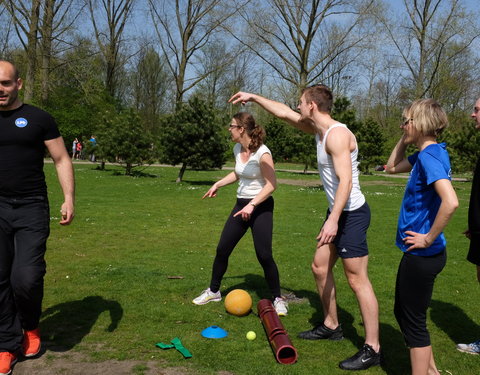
x: 428, y: 204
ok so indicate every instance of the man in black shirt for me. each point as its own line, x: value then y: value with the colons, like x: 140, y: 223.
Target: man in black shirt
x: 25, y: 133
x: 473, y: 231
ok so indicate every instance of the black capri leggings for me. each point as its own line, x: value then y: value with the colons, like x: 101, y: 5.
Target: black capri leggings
x: 261, y: 223
x: 413, y: 293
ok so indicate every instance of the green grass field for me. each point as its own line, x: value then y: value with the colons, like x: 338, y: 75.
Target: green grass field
x: 121, y: 278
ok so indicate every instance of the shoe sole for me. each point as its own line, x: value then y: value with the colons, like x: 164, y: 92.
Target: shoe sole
x: 322, y: 338
x: 360, y: 368
x: 204, y: 303
x: 466, y: 351
x: 31, y: 355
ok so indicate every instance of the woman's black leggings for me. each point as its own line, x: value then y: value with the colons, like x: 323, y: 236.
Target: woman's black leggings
x: 261, y: 223
x: 413, y: 293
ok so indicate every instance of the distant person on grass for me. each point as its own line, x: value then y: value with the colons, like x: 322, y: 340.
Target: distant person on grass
x: 255, y: 173
x: 26, y: 133
x: 343, y: 233
x: 93, y: 146
x: 473, y: 231
x: 428, y: 204
x: 74, y: 147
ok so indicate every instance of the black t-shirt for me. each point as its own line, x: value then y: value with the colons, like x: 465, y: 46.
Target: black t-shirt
x: 474, y: 207
x: 22, y: 149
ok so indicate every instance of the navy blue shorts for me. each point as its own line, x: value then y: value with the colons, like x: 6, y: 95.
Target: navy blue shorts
x: 351, y: 238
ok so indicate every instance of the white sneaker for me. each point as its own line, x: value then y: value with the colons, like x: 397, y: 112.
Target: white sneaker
x: 281, y: 306
x: 207, y: 296
x: 473, y: 348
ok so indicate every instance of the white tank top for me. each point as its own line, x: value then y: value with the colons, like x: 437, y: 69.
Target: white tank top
x: 330, y: 179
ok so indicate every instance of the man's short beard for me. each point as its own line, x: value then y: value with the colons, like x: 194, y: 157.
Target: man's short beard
x: 9, y: 102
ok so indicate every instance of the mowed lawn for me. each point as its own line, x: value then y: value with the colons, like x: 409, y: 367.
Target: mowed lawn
x: 121, y: 278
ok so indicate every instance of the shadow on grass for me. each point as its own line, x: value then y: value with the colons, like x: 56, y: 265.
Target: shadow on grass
x: 258, y: 284
x: 66, y: 324
x: 454, y: 322
x: 396, y: 359
x: 199, y: 183
x: 346, y: 318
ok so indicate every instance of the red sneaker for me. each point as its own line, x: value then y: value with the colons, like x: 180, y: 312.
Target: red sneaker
x: 7, y: 360
x: 31, y: 343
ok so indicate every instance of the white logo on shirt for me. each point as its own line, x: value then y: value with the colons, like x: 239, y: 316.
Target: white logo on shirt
x: 21, y: 122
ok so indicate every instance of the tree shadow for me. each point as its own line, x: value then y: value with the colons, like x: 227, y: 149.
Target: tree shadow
x: 199, y: 183
x: 65, y: 325
x: 454, y: 322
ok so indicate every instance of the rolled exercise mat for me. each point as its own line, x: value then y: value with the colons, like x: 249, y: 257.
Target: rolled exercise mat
x: 282, y: 347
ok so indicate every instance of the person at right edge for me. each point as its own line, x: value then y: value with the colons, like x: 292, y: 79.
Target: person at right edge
x: 473, y: 231
x: 428, y: 204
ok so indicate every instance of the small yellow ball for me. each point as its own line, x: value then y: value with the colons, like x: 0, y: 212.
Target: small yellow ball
x: 251, y: 335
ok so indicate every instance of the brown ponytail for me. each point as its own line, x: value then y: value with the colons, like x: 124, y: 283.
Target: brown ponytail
x: 255, y: 132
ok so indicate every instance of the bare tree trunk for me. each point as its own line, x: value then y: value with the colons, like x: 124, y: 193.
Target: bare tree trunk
x: 302, y: 42
x: 110, y: 41
x: 32, y: 37
x: 194, y: 21
x: 424, y: 39
x: 180, y: 174
x: 128, y: 169
x: 46, y: 49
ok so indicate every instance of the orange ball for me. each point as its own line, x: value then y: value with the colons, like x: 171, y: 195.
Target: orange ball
x: 238, y: 302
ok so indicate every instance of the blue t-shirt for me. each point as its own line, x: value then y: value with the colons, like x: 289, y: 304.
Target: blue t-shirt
x: 421, y: 202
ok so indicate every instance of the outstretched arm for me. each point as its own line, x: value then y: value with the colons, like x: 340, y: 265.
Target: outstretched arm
x: 277, y: 109
x: 228, y: 179
x: 63, y: 164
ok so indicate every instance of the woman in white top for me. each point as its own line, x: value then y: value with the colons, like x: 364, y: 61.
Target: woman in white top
x: 255, y: 173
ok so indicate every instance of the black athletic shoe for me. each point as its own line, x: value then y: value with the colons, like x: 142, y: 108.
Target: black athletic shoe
x: 365, y: 358
x: 322, y: 332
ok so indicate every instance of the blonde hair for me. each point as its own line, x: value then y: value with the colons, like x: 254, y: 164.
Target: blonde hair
x: 428, y: 116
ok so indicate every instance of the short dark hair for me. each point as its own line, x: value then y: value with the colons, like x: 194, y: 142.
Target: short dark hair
x: 321, y: 95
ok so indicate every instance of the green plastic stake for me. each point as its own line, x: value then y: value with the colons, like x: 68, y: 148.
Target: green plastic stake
x: 177, y: 344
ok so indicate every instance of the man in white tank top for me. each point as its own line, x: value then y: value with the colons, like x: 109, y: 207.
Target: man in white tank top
x: 343, y: 234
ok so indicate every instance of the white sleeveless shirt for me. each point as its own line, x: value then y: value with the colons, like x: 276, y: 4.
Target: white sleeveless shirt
x: 329, y: 178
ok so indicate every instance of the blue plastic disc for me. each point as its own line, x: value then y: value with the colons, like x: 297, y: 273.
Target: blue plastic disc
x: 214, y: 332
